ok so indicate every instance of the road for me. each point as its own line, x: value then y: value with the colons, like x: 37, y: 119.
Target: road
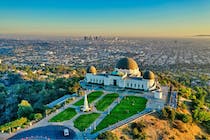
x: 45, y: 133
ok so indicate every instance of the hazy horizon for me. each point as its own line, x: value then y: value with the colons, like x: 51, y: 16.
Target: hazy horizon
x: 145, y: 18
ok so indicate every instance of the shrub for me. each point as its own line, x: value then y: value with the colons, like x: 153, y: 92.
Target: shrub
x: 69, y: 101
x: 58, y: 106
x: 31, y: 116
x: 206, y: 125
x: 122, y: 138
x: 168, y: 113
x: 38, y: 116
x: 140, y: 125
x: 184, y: 117
x: 164, y: 113
x: 183, y: 106
x: 108, y: 135
x: 14, y: 124
x: 143, y: 136
x: 201, y: 137
x: 137, y: 130
x: 136, y: 133
x: 201, y: 115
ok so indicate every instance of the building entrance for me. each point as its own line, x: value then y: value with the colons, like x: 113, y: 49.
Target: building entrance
x: 115, y: 82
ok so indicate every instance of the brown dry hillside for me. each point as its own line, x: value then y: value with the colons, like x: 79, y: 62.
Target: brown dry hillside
x: 157, y: 129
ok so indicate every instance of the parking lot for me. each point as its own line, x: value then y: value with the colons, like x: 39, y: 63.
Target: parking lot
x: 44, y: 133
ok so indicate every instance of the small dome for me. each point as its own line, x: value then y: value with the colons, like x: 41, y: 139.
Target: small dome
x: 149, y: 75
x: 127, y: 63
x: 91, y: 69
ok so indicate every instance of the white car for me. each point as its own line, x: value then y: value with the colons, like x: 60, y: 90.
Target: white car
x: 66, y: 132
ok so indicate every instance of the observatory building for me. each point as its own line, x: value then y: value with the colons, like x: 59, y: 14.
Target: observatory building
x: 126, y: 74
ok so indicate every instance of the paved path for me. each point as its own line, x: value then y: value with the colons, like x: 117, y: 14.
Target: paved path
x: 60, y: 100
x: 95, y: 101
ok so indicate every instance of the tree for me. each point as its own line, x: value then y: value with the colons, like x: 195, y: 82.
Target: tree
x: 168, y: 113
x: 172, y: 115
x: 164, y: 113
x: 2, y: 88
x: 186, y: 118
x: 138, y: 130
x: 24, y: 109
x: 136, y: 133
x: 38, y: 116
x: 83, y: 71
x: 207, y: 126
x: 201, y: 115
x: 74, y: 88
x: 60, y: 83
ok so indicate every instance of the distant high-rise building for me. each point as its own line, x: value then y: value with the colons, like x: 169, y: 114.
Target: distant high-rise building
x: 91, y: 38
x: 85, y: 37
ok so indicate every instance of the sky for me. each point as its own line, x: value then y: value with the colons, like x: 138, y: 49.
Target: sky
x: 128, y: 18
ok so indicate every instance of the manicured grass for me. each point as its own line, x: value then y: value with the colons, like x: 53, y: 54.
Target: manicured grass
x: 103, y: 103
x: 67, y: 114
x: 128, y: 106
x: 84, y: 121
x: 91, y: 97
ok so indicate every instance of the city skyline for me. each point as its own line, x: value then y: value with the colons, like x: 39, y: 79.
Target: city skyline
x: 143, y: 18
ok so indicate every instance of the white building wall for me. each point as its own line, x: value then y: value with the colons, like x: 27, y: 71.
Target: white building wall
x: 145, y: 84
x: 142, y: 84
x: 97, y: 79
x: 135, y: 84
x: 106, y: 81
x: 158, y: 94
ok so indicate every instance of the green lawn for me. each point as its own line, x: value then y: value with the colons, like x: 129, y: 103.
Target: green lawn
x: 91, y: 97
x: 84, y: 121
x: 67, y: 114
x: 103, y: 103
x: 128, y: 106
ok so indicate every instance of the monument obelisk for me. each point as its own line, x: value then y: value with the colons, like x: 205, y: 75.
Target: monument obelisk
x: 86, y: 106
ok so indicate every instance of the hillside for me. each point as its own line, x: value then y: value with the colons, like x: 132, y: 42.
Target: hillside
x: 156, y: 128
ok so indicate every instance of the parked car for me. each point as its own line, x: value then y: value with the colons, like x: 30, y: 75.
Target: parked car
x: 66, y: 132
